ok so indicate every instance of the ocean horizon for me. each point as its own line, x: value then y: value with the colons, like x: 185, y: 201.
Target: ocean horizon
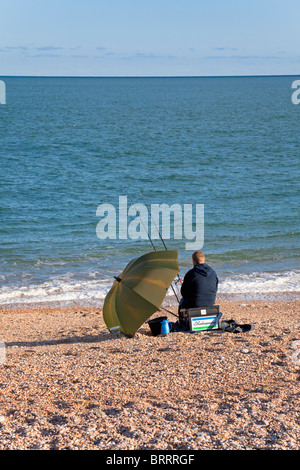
x: 70, y: 144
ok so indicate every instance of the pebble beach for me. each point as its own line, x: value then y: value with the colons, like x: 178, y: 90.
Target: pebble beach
x: 67, y: 383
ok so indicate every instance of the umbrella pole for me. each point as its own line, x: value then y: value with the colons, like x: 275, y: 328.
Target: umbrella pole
x: 169, y: 311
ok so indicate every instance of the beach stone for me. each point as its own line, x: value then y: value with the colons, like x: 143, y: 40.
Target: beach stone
x: 202, y: 436
x: 295, y: 344
x: 245, y: 351
x: 95, y: 402
x: 100, y: 413
x: 296, y: 357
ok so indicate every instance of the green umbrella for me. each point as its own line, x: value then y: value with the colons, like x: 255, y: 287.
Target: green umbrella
x: 139, y: 291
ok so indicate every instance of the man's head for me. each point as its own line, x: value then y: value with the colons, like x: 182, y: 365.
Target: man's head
x: 198, y: 257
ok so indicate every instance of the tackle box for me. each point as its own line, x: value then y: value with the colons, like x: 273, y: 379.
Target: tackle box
x: 200, y: 318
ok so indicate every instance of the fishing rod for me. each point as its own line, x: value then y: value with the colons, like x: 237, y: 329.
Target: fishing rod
x: 154, y: 223
x: 146, y: 229
x: 160, y: 236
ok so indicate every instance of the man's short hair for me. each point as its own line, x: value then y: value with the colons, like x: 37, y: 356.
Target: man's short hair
x: 198, y: 257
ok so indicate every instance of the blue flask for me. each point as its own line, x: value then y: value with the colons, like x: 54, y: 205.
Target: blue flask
x: 165, y: 327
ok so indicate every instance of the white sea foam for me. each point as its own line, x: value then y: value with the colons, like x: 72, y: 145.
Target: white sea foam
x: 65, y: 290
x: 261, y: 282
x: 60, y: 291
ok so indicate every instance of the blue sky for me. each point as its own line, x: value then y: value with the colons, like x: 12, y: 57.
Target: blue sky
x: 149, y: 37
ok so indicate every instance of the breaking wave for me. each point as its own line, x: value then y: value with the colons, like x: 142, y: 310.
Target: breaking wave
x: 66, y: 290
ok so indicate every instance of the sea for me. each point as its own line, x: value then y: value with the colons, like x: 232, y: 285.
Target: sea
x: 71, y: 144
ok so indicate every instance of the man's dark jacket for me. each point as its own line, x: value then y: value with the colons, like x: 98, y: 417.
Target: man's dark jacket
x: 199, y: 287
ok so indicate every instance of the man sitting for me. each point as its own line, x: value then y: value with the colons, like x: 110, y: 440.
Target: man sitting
x: 200, y: 284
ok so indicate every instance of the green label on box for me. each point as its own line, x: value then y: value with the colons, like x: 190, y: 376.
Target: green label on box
x: 204, y: 323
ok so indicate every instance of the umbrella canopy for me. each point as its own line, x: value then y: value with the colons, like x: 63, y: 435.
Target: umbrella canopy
x: 139, y: 291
